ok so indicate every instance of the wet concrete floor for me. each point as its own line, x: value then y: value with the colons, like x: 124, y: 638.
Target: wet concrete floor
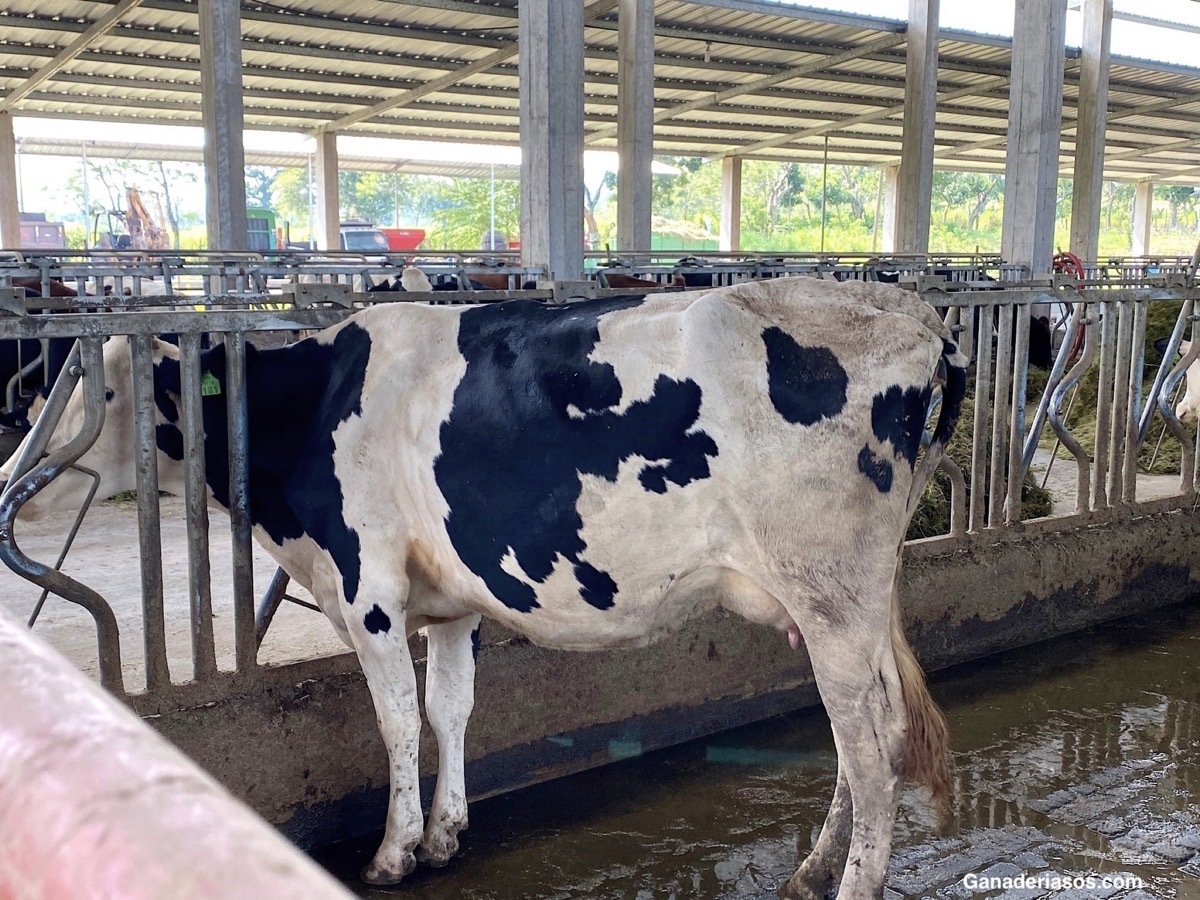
x: 1075, y: 758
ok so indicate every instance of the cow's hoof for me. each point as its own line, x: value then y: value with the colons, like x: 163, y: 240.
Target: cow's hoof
x: 800, y: 889
x: 437, y: 856
x: 438, y: 848
x: 380, y: 875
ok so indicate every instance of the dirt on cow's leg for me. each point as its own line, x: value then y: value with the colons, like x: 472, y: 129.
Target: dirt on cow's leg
x: 449, y: 697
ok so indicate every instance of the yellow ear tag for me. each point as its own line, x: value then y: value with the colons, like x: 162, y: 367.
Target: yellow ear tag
x: 209, y: 386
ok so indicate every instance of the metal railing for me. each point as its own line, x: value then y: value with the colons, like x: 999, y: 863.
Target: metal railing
x: 1103, y: 333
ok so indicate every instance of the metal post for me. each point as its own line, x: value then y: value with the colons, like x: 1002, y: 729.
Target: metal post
x: 1108, y: 353
x: 145, y: 414
x: 983, y: 388
x: 237, y: 416
x: 204, y: 659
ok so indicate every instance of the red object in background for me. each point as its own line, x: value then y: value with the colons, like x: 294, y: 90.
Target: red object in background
x: 1068, y: 264
x: 403, y: 238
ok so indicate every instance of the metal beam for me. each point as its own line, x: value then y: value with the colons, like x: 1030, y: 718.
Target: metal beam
x: 769, y: 81
x: 805, y: 13
x: 878, y: 114
x: 1112, y: 116
x: 96, y: 29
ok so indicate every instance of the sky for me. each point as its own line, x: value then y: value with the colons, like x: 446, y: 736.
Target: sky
x: 42, y: 177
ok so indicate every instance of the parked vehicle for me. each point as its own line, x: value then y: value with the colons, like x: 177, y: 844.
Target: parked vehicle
x: 362, y: 236
x: 37, y: 232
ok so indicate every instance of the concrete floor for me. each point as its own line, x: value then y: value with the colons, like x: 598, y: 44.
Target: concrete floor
x: 105, y: 557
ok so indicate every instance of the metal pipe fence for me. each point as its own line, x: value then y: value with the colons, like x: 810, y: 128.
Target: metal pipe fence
x: 1101, y: 339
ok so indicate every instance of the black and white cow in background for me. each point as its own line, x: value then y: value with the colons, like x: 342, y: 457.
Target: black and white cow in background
x: 593, y: 474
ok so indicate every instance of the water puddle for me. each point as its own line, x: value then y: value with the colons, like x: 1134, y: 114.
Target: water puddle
x: 1076, y: 757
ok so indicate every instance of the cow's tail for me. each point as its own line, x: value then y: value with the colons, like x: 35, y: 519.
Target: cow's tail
x: 927, y: 740
x: 951, y: 376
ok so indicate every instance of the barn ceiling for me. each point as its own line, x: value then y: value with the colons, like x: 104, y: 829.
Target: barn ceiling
x: 447, y: 70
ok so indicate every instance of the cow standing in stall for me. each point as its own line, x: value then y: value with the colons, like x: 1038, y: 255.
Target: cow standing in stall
x: 591, y: 475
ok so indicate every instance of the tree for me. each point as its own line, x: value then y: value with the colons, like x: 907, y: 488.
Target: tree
x: 1116, y: 195
x: 290, y: 196
x: 1177, y: 196
x: 466, y: 211
x: 260, y: 181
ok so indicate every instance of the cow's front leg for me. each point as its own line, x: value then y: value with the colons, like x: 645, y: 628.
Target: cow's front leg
x: 379, y: 637
x: 449, y: 697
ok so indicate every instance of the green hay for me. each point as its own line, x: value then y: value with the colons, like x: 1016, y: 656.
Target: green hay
x: 1160, y: 322
x: 933, y: 512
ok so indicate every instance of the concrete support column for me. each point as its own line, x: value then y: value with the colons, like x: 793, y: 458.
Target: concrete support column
x: 891, y: 209
x: 1088, y: 181
x: 221, y: 108
x: 1143, y: 217
x: 10, y: 215
x: 635, y: 123
x: 551, y: 89
x: 325, y: 183
x: 915, y: 188
x: 731, y: 203
x: 1034, y: 126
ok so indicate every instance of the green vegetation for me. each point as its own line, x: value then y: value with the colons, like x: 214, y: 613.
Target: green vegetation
x: 785, y: 206
x: 933, y: 512
x: 1160, y: 320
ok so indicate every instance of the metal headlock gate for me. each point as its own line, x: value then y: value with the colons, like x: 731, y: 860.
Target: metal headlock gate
x: 1100, y: 318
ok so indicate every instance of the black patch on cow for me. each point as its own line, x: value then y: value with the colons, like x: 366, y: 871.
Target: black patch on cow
x: 875, y: 468
x: 953, y: 392
x: 806, y: 384
x: 297, y: 397
x: 898, y: 415
x: 108, y: 395
x: 475, y: 643
x: 377, y: 621
x: 170, y: 441
x: 533, y: 415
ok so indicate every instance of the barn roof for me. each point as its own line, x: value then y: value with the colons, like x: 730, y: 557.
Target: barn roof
x: 447, y: 70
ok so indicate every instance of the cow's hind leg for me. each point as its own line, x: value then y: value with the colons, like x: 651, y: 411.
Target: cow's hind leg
x: 380, y: 639
x: 449, y: 697
x: 828, y: 856
x: 860, y: 686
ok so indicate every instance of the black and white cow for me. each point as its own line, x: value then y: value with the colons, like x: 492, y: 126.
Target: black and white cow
x: 592, y: 474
